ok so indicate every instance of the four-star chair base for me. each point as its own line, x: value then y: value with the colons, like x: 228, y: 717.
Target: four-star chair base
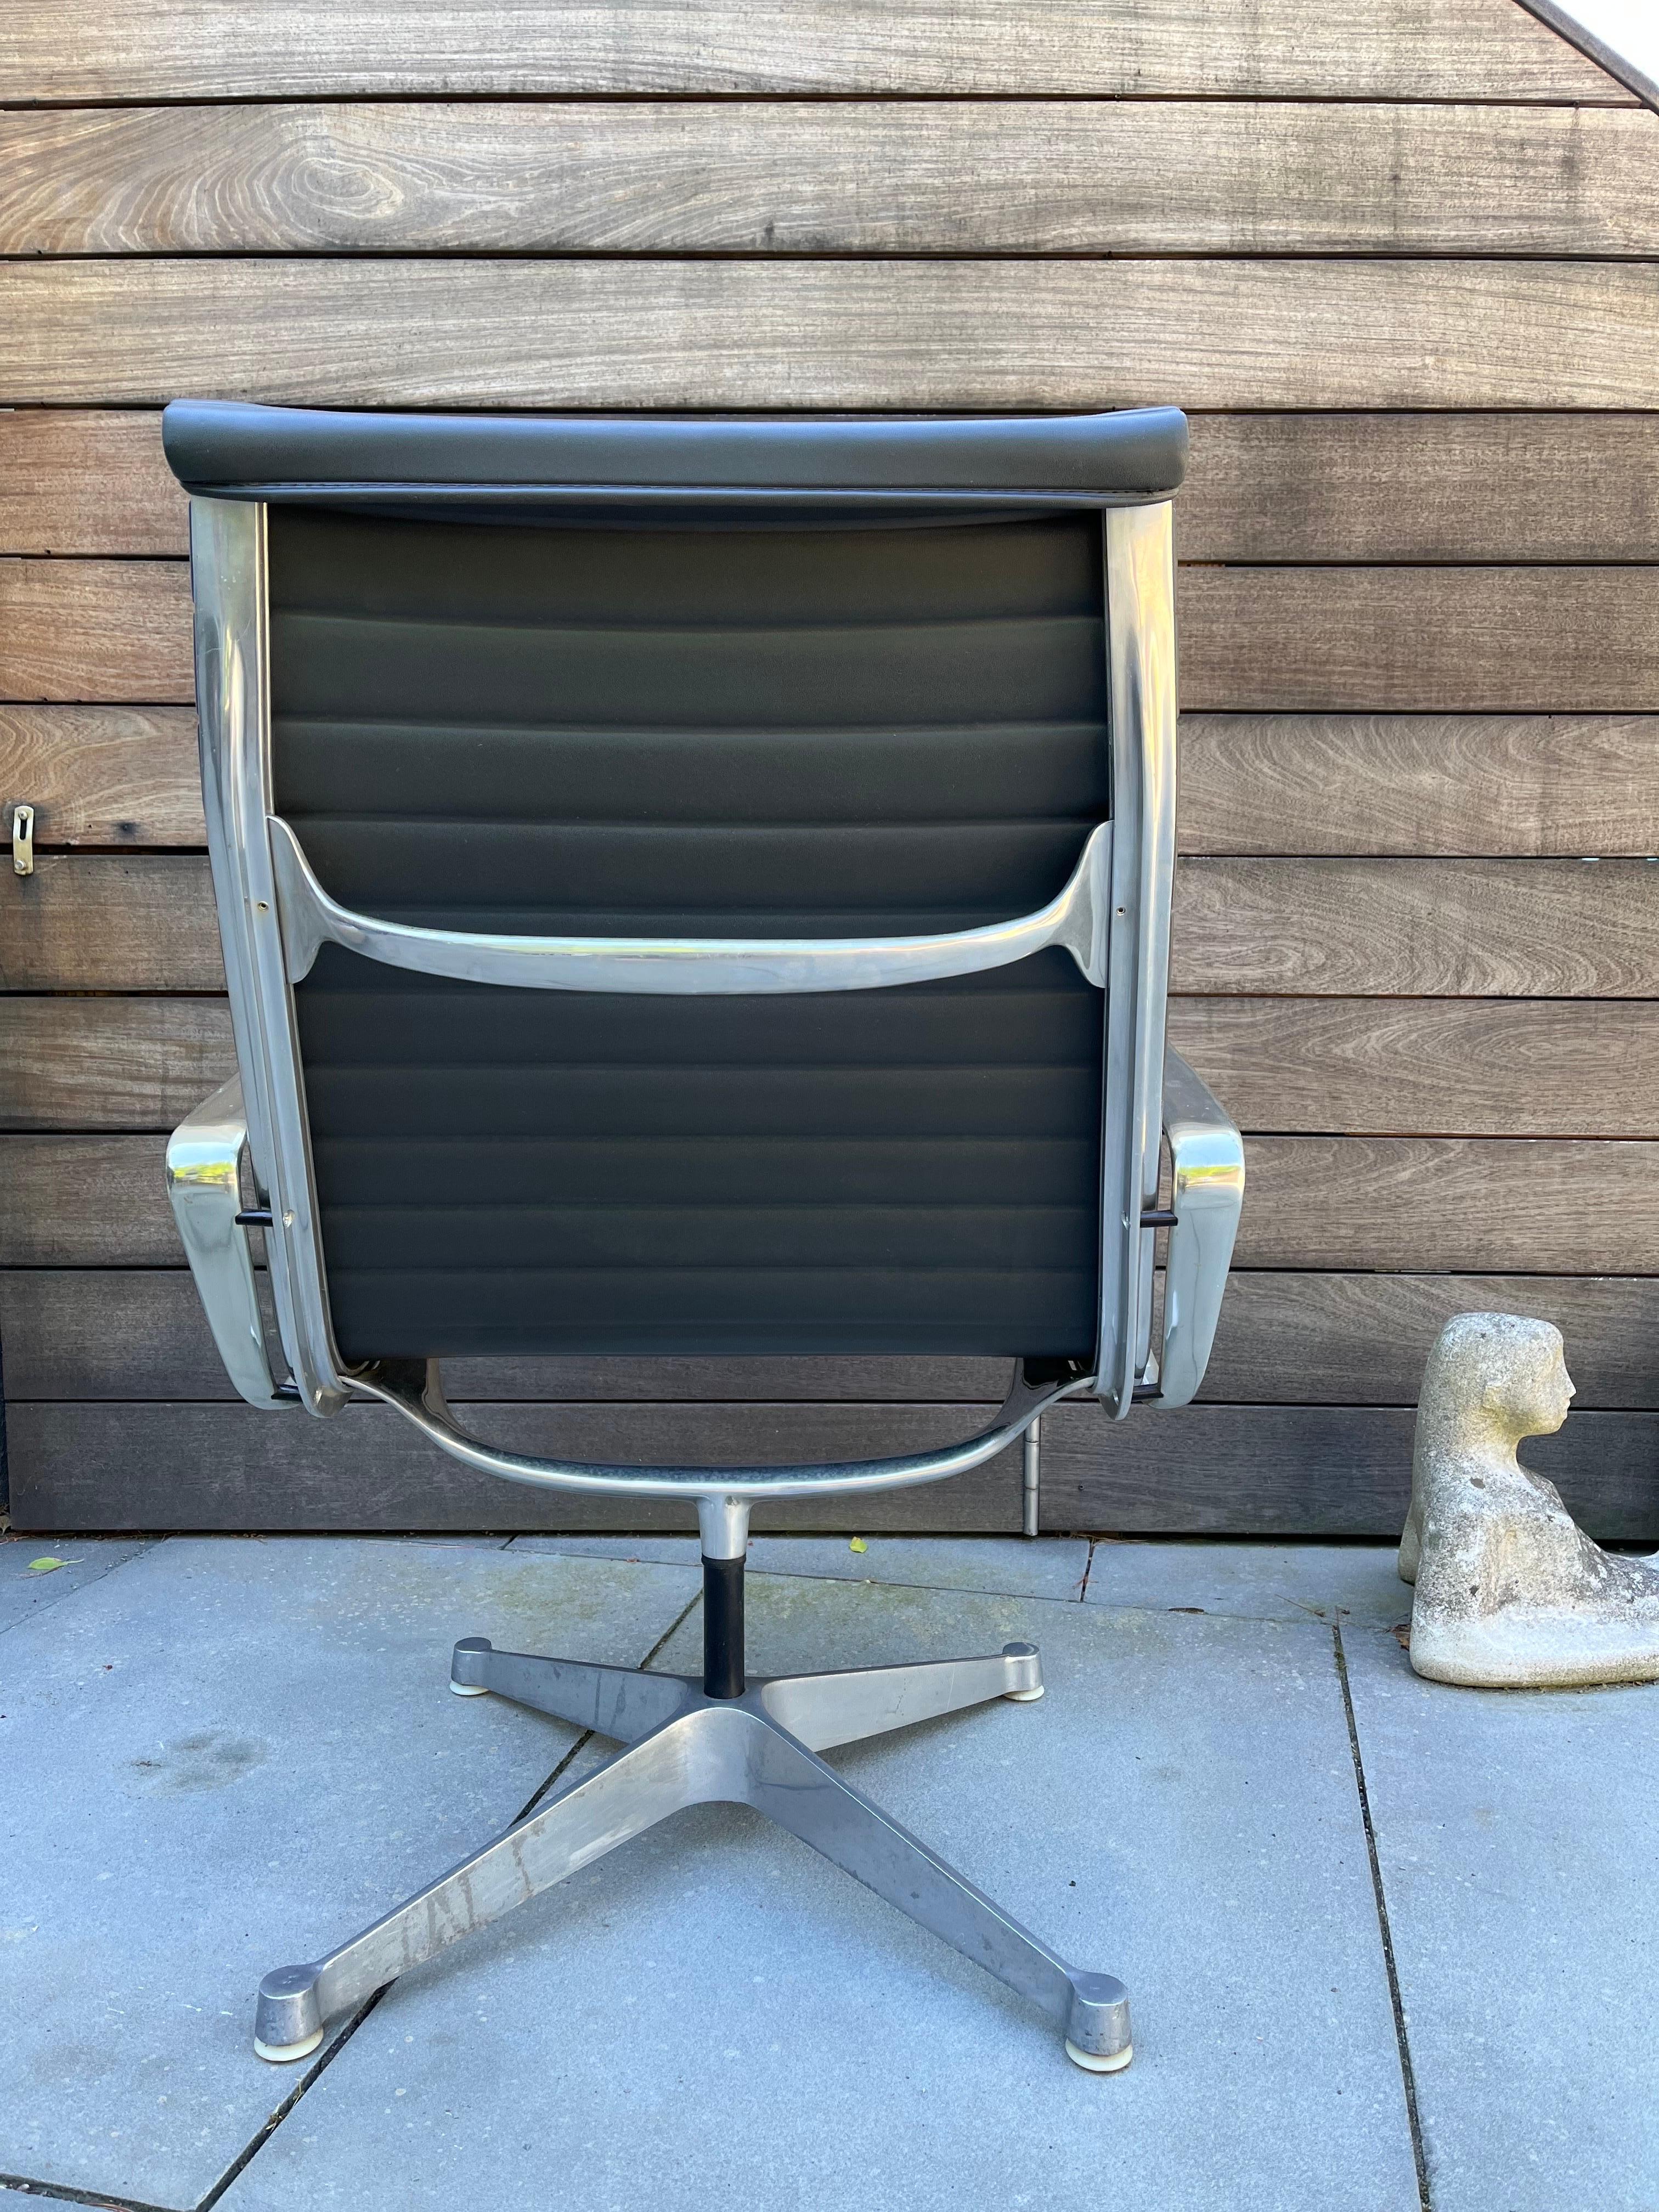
x: 713, y: 1742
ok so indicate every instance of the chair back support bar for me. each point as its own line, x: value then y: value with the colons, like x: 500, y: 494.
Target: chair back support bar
x: 330, y: 872
x: 1076, y: 920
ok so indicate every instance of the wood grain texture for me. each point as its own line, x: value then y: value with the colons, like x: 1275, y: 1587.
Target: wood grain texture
x: 1447, y: 785
x: 1311, y: 1471
x: 1459, y: 1067
x: 793, y: 177
x: 1305, y: 1470
x: 1429, y: 784
x: 1304, y: 488
x: 85, y: 1202
x: 1468, y: 1067
x: 1291, y: 639
x: 1349, y: 1339
x: 1433, y: 1204
x: 1294, y: 928
x: 1415, y: 486
x: 110, y: 923
x: 102, y: 775
x: 1476, y: 1205
x: 94, y: 1064
x: 71, y: 51
x: 82, y: 481
x: 1414, y: 638
x: 1285, y: 1337
x: 1209, y: 333
x: 1429, y: 928
x: 156, y: 1466
x: 95, y: 629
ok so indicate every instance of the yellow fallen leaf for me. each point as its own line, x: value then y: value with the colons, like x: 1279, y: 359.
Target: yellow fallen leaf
x: 44, y: 1566
x: 857, y: 1544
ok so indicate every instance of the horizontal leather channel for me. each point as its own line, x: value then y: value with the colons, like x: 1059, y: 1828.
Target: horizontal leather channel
x: 944, y: 774
x: 658, y: 739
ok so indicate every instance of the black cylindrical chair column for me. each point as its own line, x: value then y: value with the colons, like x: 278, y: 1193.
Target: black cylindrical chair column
x: 722, y: 1627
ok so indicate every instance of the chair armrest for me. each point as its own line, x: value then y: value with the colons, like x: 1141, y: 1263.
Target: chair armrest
x: 1207, y: 1164
x: 204, y: 1187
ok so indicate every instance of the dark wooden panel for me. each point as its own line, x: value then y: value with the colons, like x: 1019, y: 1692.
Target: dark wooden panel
x: 1009, y: 176
x: 1408, y: 784
x: 129, y: 50
x: 1461, y: 1067
x: 1409, y: 639
x: 1221, y: 334
x: 85, y: 1202
x: 139, y: 1333
x: 1275, y: 1470
x: 1311, y: 1471
x: 74, y: 481
x: 1468, y: 1067
x: 102, y: 775
x: 151, y: 1466
x: 95, y: 629
x: 1474, y: 928
x: 1295, y: 639
x: 1436, y: 928
x: 1363, y: 1340
x: 1411, y: 487
x: 1474, y: 1204
x: 1314, y: 1339
x: 110, y: 923
x: 1420, y: 783
x: 1482, y: 1205
x: 110, y: 1063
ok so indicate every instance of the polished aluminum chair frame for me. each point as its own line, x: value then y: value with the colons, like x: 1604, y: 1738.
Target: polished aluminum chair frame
x: 691, y: 1741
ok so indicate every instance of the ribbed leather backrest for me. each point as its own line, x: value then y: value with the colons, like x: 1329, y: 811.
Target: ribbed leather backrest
x: 729, y: 731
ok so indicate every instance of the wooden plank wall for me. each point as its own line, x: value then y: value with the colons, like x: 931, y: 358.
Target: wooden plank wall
x: 1396, y: 256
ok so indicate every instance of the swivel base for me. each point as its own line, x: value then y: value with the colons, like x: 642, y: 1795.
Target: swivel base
x: 685, y: 1746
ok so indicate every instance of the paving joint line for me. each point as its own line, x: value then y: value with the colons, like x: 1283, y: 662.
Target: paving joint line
x: 326, y: 2057
x: 588, y: 1735
x: 1407, y: 2072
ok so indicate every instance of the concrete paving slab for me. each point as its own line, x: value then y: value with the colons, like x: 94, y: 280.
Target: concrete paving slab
x: 1253, y: 1582
x: 1011, y: 1566
x: 222, y: 1759
x: 24, y: 1592
x: 716, y: 2015
x: 1517, y: 1835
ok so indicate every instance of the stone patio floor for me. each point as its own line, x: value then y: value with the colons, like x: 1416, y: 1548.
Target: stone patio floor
x: 1390, y: 1946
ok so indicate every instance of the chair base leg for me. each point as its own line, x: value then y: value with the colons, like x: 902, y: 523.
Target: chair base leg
x: 684, y: 1747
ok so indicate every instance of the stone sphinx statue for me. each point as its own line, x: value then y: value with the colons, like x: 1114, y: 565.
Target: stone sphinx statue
x: 1510, y: 1592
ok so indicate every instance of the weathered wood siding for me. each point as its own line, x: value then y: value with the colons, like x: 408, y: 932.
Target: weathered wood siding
x: 1398, y: 258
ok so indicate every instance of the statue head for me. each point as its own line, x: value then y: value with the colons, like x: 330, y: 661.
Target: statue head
x: 1504, y: 1373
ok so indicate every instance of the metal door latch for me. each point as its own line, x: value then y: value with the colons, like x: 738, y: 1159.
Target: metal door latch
x: 22, y: 839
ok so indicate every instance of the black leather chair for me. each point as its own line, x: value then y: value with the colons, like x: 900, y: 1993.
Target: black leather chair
x: 696, y: 888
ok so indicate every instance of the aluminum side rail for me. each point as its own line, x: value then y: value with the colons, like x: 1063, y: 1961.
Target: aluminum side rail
x: 1141, y: 650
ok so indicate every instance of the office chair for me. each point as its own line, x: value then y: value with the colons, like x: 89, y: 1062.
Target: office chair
x: 696, y: 888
